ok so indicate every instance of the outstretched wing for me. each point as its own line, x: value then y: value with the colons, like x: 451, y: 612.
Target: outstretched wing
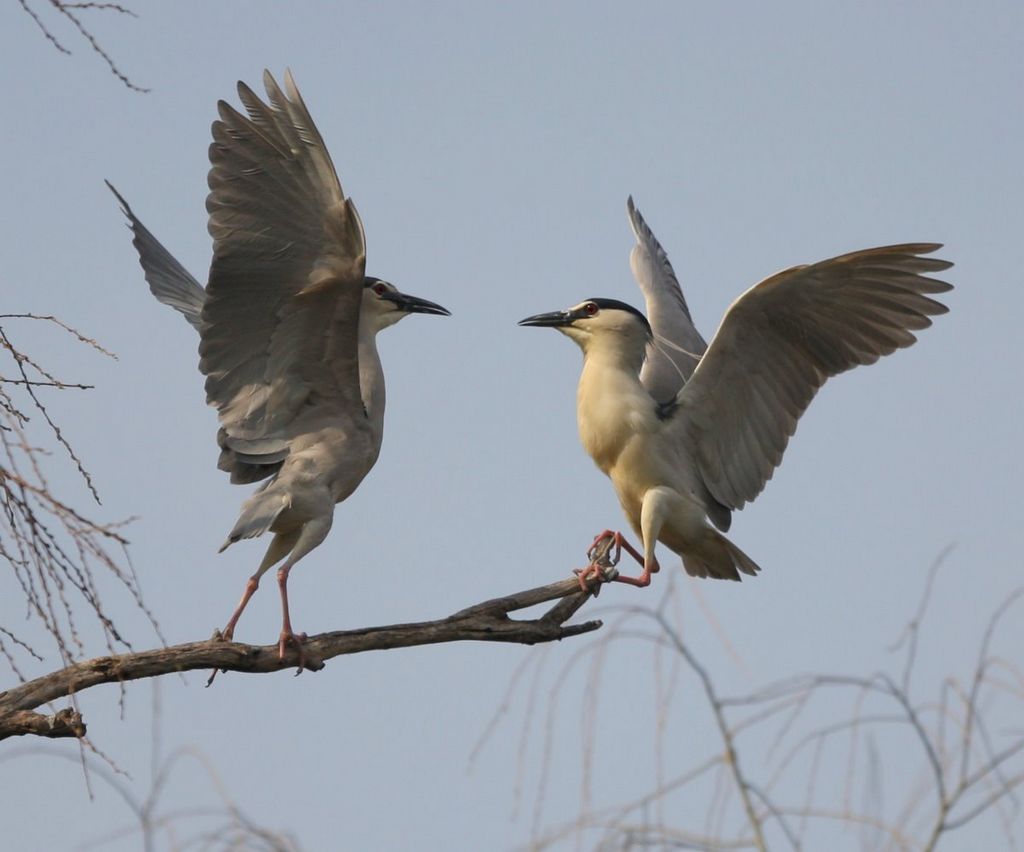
x: 280, y: 321
x: 168, y: 280
x: 777, y: 345
x: 678, y: 345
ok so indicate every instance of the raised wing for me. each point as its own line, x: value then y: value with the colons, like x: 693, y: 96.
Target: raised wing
x: 777, y: 345
x: 280, y: 321
x: 678, y: 345
x: 168, y: 280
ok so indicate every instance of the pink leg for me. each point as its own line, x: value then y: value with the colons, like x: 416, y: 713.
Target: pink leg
x: 250, y: 589
x: 278, y: 549
x: 228, y: 633
x: 309, y: 536
x: 596, y: 572
x: 287, y: 634
x: 645, y: 576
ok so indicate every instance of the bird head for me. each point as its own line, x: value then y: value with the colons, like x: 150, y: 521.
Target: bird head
x: 598, y: 322
x: 384, y: 304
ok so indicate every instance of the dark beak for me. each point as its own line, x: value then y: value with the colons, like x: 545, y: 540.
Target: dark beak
x: 555, y: 319
x: 416, y: 305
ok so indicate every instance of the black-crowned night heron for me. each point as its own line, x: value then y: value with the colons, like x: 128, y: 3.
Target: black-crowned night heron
x: 287, y: 326
x: 684, y: 449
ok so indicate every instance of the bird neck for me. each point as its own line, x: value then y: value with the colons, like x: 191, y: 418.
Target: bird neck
x: 371, y: 379
x: 612, y: 406
x: 615, y: 351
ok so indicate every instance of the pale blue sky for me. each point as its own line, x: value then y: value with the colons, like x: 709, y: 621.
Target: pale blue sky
x: 490, y: 150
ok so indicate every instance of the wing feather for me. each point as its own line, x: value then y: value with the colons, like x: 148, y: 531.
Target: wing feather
x: 778, y: 344
x: 168, y: 280
x: 280, y: 321
x: 677, y: 344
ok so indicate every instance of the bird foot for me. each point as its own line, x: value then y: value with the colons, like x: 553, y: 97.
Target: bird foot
x: 607, y: 550
x: 297, y: 639
x: 602, y: 546
x: 644, y: 579
x: 602, y: 563
x: 596, y: 573
x: 225, y: 635
x: 604, y: 554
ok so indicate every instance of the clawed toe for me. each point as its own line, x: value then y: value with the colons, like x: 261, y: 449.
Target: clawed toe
x: 591, y: 577
x: 297, y: 639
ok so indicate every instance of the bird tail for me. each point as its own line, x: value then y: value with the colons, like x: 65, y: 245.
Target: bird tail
x: 719, y: 558
x: 258, y: 514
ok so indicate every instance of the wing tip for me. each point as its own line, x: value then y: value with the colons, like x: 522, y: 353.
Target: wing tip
x: 124, y: 204
x: 289, y: 83
x: 636, y: 220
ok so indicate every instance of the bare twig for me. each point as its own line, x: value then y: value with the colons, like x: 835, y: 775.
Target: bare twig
x: 968, y: 767
x: 732, y: 760
x: 911, y: 631
x: 221, y: 820
x: 71, y: 12
x: 54, y: 553
x: 88, y: 341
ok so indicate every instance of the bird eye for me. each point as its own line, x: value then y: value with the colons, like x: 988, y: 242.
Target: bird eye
x: 379, y: 289
x: 590, y: 308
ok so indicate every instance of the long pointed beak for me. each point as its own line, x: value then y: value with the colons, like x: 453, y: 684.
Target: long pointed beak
x: 555, y: 319
x: 416, y: 305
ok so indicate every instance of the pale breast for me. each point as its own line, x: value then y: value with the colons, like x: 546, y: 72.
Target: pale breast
x: 612, y: 411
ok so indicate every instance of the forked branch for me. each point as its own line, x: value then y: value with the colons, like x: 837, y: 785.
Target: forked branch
x: 489, y: 621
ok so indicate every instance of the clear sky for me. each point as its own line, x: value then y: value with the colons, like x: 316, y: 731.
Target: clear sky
x: 490, y: 149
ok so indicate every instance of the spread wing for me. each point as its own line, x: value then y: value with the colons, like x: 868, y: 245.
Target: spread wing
x: 280, y: 321
x: 777, y: 345
x: 678, y: 345
x: 168, y: 280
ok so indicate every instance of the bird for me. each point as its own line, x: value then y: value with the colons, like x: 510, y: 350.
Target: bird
x: 287, y: 326
x: 689, y: 433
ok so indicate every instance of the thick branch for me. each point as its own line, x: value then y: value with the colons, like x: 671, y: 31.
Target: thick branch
x: 484, y: 622
x: 64, y: 723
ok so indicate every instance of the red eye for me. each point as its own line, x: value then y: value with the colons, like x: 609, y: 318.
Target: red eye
x: 590, y: 308
x: 379, y: 289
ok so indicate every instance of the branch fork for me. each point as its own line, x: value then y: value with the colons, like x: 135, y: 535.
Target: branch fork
x: 489, y: 621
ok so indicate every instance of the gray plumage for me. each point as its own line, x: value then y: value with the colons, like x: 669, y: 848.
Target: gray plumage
x: 287, y: 324
x: 678, y: 346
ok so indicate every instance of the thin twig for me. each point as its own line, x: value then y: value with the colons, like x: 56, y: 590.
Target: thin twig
x: 70, y: 12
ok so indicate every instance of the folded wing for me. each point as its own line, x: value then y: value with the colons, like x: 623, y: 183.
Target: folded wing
x: 777, y: 345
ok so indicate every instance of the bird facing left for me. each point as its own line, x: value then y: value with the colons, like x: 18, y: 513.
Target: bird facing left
x: 690, y: 432
x: 287, y: 325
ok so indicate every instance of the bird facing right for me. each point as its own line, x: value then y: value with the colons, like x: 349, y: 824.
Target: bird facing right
x: 683, y: 450
x: 287, y: 325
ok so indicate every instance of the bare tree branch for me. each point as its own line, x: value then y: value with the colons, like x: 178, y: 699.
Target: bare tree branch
x: 218, y: 823
x: 71, y: 12
x: 485, y: 622
x: 969, y: 765
x: 64, y: 723
x: 743, y: 785
x: 53, y: 552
